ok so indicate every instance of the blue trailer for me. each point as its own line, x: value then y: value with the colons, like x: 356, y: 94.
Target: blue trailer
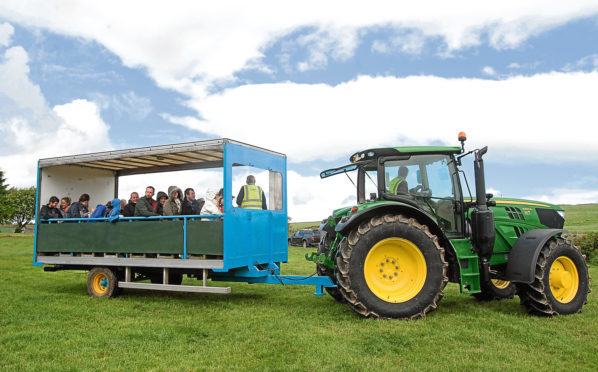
x: 239, y: 245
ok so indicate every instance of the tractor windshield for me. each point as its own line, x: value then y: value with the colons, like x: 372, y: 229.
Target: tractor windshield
x: 430, y: 181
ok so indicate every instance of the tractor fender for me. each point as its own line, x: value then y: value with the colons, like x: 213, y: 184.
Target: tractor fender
x: 343, y: 227
x: 524, y: 254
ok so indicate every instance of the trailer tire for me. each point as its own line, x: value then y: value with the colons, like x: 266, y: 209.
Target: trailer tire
x: 102, y: 282
x: 392, y: 266
x: 561, y: 281
x: 496, y: 290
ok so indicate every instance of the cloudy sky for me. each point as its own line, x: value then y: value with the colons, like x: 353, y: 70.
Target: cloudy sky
x: 314, y: 80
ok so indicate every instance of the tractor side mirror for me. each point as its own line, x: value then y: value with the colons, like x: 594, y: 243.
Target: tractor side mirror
x: 489, y: 196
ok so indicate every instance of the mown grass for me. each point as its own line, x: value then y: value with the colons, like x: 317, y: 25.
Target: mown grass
x: 581, y: 218
x: 48, y: 322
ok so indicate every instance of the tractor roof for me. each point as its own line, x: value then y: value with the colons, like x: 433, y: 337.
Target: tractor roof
x: 404, y: 150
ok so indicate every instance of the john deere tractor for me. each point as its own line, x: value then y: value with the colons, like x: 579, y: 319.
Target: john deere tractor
x: 413, y: 230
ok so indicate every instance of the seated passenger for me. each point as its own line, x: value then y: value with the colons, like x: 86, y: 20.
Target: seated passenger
x: 213, y: 198
x: 172, y: 206
x: 220, y: 201
x: 114, y: 213
x: 49, y: 210
x: 65, y: 204
x: 189, y: 206
x: 79, y: 208
x: 161, y: 200
x: 100, y: 211
x: 146, y: 206
x: 129, y: 209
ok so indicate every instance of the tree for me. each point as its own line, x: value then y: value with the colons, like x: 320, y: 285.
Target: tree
x: 5, y: 209
x: 21, y: 206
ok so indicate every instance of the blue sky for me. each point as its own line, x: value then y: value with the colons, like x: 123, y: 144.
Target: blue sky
x: 317, y: 86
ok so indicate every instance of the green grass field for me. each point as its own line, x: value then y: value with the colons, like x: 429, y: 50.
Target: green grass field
x: 48, y: 322
x: 582, y: 218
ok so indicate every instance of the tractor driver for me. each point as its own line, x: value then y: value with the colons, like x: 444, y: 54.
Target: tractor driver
x: 398, y: 185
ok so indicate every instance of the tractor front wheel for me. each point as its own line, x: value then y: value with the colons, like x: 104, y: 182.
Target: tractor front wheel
x: 323, y: 270
x: 561, y: 282
x: 496, y: 290
x: 392, y: 266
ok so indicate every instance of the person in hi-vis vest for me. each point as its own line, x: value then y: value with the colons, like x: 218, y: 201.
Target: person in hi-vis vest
x: 251, y: 196
x: 398, y: 185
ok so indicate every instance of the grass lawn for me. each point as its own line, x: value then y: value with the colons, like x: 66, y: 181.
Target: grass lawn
x: 582, y: 218
x: 48, y: 322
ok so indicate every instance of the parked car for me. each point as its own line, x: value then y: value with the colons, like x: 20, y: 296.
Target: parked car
x: 305, y: 237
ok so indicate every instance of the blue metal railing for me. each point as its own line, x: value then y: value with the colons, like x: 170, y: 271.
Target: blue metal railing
x: 130, y: 219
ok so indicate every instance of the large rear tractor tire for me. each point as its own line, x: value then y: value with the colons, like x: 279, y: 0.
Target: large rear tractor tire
x: 561, y: 282
x: 102, y: 282
x: 323, y: 270
x: 496, y: 290
x: 392, y: 266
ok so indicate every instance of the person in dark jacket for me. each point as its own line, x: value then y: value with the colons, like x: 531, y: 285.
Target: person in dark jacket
x: 146, y: 206
x: 189, y: 207
x: 79, y: 208
x: 49, y: 210
x: 161, y: 200
x: 129, y: 210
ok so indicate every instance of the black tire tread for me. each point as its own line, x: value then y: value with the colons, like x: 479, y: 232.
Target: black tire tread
x: 342, y: 263
x: 534, y: 296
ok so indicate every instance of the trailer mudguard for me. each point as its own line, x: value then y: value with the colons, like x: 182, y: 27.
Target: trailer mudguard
x: 524, y: 254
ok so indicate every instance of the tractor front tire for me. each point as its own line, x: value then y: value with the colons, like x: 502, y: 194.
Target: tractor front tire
x: 102, y: 282
x: 391, y: 266
x: 323, y: 270
x: 496, y: 290
x: 561, y: 282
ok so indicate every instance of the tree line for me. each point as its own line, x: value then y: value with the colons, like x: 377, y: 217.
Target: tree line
x: 17, y: 205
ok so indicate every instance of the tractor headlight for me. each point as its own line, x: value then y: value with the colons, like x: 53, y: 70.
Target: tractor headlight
x: 561, y: 213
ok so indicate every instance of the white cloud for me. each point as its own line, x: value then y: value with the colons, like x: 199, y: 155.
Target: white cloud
x: 519, y: 117
x: 488, y: 70
x: 411, y: 42
x: 30, y: 130
x: 567, y: 196
x: 191, y: 45
x: 125, y: 104
x: 6, y: 31
x: 590, y: 61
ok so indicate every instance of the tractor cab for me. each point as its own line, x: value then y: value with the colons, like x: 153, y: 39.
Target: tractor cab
x: 424, y: 177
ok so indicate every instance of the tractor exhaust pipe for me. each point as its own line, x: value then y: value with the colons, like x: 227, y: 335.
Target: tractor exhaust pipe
x: 482, y: 218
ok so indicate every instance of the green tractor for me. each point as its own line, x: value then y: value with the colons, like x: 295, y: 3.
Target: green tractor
x: 413, y: 230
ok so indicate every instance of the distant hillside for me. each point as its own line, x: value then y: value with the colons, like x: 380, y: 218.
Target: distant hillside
x: 580, y: 218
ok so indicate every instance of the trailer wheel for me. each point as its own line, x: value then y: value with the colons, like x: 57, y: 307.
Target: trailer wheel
x: 561, y: 282
x: 324, y: 270
x: 392, y: 267
x: 496, y: 290
x: 102, y: 282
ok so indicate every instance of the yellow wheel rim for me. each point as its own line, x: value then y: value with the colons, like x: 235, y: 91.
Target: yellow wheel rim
x: 564, y: 279
x: 395, y: 270
x: 99, y: 284
x: 500, y: 284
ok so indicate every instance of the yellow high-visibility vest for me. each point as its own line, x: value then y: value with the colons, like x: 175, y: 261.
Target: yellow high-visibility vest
x: 252, y: 197
x: 394, y: 185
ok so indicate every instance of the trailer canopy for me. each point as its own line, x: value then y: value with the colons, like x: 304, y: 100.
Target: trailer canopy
x: 165, y: 158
